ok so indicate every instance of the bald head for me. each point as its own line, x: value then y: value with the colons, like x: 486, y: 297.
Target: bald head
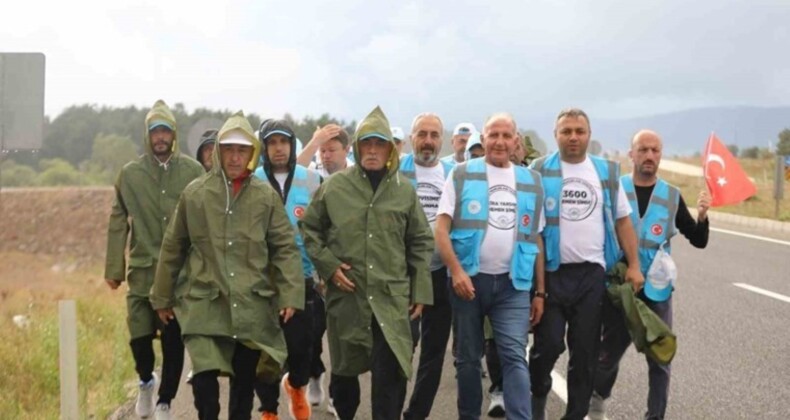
x: 645, y: 153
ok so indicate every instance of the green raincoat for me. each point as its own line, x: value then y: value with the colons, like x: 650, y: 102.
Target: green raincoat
x: 649, y: 333
x: 146, y: 193
x: 385, y: 238
x: 241, y: 265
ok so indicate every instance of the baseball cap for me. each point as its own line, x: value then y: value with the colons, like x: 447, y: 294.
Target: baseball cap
x: 273, y: 132
x: 235, y: 138
x: 464, y: 128
x: 160, y: 123
x: 397, y: 133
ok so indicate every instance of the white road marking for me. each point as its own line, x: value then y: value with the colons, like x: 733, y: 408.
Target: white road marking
x: 560, y: 387
x: 750, y: 236
x: 763, y: 292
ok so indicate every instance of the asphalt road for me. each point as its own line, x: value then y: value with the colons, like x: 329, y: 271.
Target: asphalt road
x: 732, y: 362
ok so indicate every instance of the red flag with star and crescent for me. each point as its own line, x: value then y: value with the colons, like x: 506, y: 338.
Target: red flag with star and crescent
x: 727, y: 182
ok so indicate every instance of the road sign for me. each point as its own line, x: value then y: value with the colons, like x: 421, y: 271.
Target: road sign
x: 21, y: 100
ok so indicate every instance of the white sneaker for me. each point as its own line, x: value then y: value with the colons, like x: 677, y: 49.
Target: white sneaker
x: 315, y: 390
x: 145, y: 397
x: 497, y: 406
x: 331, y: 408
x: 597, y: 407
x: 189, y: 377
x: 162, y: 411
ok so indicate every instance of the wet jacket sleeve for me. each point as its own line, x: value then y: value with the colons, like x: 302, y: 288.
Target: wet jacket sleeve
x: 315, y: 228
x: 284, y: 258
x: 117, y: 233
x: 172, y: 255
x: 419, y: 249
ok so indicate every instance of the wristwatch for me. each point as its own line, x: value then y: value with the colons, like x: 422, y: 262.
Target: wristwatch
x: 542, y: 295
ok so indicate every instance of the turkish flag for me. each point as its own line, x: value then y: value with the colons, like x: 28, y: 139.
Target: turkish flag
x: 727, y: 182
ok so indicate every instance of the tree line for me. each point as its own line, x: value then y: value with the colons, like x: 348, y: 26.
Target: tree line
x: 88, y: 144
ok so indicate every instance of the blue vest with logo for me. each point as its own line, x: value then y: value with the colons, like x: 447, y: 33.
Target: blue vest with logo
x: 551, y: 170
x: 407, y: 169
x: 470, y: 220
x: 657, y: 225
x: 303, y: 184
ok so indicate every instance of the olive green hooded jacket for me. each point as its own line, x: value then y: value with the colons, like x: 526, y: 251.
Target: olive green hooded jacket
x: 385, y: 238
x: 146, y: 193
x: 240, y: 259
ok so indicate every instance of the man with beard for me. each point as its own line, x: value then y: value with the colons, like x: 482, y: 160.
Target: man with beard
x: 146, y: 193
x: 365, y: 232
x: 231, y: 237
x: 427, y: 174
x: 662, y: 212
x: 588, y: 229
x: 295, y: 185
x: 461, y: 135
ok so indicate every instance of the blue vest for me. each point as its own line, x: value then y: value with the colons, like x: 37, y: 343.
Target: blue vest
x: 407, y: 169
x: 658, y: 223
x: 551, y: 170
x: 304, y: 183
x: 470, y: 220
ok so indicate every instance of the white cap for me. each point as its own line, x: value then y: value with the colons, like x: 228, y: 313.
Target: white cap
x: 397, y: 133
x: 464, y: 128
x: 236, y: 138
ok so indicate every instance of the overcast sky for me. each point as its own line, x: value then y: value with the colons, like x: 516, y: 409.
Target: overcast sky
x: 464, y: 60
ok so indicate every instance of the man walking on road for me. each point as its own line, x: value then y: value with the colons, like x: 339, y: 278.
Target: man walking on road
x: 427, y: 174
x: 233, y: 240
x: 295, y: 185
x: 488, y: 234
x: 146, y: 192
x: 461, y: 135
x: 365, y: 231
x: 662, y: 212
x: 587, y: 225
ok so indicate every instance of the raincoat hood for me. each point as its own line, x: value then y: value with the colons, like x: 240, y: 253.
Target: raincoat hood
x: 237, y: 123
x: 531, y: 152
x: 209, y: 137
x: 376, y: 125
x: 270, y: 127
x: 160, y: 113
x: 474, y: 140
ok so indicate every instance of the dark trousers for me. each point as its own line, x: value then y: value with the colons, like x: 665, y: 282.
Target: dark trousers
x: 576, y: 294
x: 616, y: 341
x: 317, y: 367
x: 298, y: 332
x: 388, y: 384
x: 172, y: 359
x: 205, y: 387
x: 434, y: 333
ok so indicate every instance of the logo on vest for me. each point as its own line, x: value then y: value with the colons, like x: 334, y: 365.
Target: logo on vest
x: 299, y: 212
x: 473, y: 207
x: 551, y: 203
x: 656, y: 229
x: 525, y: 220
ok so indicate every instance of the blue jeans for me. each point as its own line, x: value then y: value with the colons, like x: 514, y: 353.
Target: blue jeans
x: 508, y: 310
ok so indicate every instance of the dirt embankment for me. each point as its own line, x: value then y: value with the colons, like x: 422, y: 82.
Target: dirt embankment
x: 67, y: 223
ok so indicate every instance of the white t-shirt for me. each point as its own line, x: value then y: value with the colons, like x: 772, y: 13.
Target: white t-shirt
x: 581, y: 213
x: 430, y: 182
x: 319, y: 167
x: 281, y: 177
x: 496, y: 251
